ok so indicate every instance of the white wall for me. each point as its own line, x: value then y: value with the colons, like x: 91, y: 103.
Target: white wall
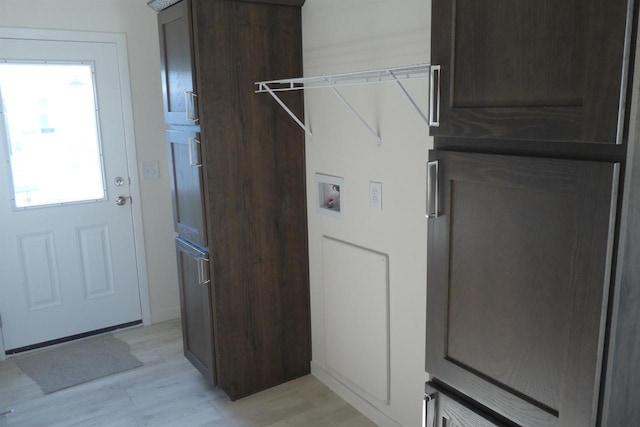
x: 138, y: 22
x: 343, y: 36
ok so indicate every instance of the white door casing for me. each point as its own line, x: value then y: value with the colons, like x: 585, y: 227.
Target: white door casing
x: 69, y: 269
x: 2, y: 356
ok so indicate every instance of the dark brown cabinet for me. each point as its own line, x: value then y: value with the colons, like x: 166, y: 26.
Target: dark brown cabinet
x: 238, y: 160
x: 176, y: 59
x: 541, y: 70
x: 518, y: 281
x: 195, y: 301
x: 185, y: 177
x: 524, y: 305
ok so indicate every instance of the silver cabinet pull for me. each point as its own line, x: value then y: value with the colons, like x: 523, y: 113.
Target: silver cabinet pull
x: 190, y: 100
x: 433, y: 210
x: 429, y: 416
x: 194, y: 152
x: 203, y: 274
x: 434, y: 96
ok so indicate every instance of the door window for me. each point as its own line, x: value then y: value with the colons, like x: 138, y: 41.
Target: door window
x: 53, y: 140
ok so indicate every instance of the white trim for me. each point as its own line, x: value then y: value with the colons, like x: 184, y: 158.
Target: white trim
x: 120, y: 41
x: 62, y: 35
x: 351, y: 397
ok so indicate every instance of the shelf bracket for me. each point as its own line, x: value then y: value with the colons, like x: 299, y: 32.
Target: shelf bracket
x: 264, y: 87
x: 409, y: 97
x: 355, y: 113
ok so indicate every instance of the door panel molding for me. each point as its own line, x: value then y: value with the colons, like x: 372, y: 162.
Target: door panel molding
x: 38, y: 253
x: 95, y: 254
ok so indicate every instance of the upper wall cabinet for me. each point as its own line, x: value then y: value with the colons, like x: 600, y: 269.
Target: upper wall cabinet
x: 543, y: 70
x: 176, y: 53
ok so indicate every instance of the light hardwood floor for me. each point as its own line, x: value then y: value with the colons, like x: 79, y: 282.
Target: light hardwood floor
x: 167, y: 391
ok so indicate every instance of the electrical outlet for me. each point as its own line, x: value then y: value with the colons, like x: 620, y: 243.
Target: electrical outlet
x: 375, y: 195
x: 150, y: 169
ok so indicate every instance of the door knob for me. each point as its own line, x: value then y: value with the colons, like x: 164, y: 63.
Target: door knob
x: 122, y: 200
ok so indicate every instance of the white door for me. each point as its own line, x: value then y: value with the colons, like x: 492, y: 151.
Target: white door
x: 68, y: 257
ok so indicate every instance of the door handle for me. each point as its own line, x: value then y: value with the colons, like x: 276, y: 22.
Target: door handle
x: 190, y: 100
x: 203, y: 275
x: 434, y: 96
x: 432, y: 190
x: 194, y: 152
x: 429, y: 416
x: 122, y: 200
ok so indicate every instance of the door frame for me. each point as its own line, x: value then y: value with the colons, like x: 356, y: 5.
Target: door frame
x: 120, y: 41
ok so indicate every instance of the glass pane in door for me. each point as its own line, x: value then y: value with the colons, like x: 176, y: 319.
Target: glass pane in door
x: 50, y: 118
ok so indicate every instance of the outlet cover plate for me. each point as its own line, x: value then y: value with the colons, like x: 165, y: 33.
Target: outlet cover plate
x: 375, y: 195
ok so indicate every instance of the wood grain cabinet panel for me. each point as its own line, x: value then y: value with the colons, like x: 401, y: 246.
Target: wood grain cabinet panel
x: 176, y: 59
x: 254, y: 165
x: 185, y: 178
x: 541, y: 70
x: 196, y: 310
x: 535, y: 123
x: 253, y: 180
x: 518, y: 273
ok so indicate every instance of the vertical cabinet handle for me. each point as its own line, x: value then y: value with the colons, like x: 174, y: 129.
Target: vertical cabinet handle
x: 190, y: 102
x: 434, y: 96
x: 203, y: 274
x: 433, y: 210
x: 429, y: 416
x: 194, y: 152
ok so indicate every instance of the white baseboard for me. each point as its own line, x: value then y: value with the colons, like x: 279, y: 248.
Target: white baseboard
x: 164, y: 315
x: 355, y: 400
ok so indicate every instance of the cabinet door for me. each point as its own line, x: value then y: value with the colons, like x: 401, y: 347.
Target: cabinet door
x: 443, y: 410
x: 195, y: 308
x: 530, y: 69
x: 176, y: 56
x: 518, y: 276
x: 185, y: 175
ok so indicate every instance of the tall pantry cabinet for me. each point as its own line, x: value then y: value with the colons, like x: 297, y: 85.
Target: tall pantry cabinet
x: 238, y: 189
x: 526, y: 180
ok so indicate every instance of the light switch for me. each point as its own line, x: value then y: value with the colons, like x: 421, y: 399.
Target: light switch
x: 150, y: 169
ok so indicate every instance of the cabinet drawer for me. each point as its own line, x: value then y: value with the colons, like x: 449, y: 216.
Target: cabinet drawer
x: 185, y: 174
x: 196, y: 308
x: 444, y: 410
